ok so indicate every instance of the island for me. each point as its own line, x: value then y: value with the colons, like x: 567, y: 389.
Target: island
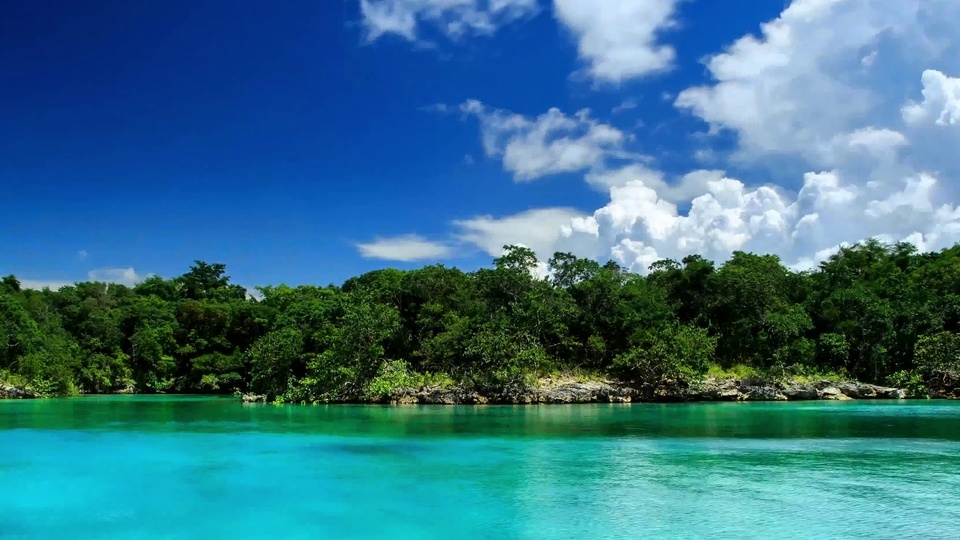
x: 872, y: 321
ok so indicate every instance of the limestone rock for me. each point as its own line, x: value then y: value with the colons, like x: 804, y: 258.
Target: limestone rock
x: 944, y: 386
x: 800, y: 392
x: 721, y: 390
x: 12, y: 392
x: 570, y: 393
x: 406, y: 399
x: 761, y: 392
x: 833, y: 393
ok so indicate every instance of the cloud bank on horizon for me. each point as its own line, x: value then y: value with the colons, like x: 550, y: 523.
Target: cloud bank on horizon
x: 855, y: 102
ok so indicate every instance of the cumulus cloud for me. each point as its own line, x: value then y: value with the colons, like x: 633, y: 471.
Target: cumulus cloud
x: 684, y: 189
x: 641, y: 225
x: 820, y: 93
x: 41, y: 284
x: 551, y: 143
x: 803, y: 82
x: 453, y: 18
x: 540, y: 229
x: 618, y: 40
x: 941, y: 101
x: 121, y: 276
x: 406, y: 248
x: 854, y: 104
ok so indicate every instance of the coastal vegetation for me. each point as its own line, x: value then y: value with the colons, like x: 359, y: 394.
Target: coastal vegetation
x: 877, y: 313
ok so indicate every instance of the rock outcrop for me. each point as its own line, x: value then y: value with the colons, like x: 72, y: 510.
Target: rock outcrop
x: 558, y: 392
x: 615, y: 392
x: 12, y: 392
x: 943, y: 386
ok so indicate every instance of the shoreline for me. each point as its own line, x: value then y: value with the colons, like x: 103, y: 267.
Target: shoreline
x: 710, y: 390
x: 551, y: 391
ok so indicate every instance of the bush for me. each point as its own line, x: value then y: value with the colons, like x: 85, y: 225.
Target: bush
x: 939, y: 354
x: 912, y: 382
x: 393, y: 376
x: 674, y: 352
x: 738, y: 372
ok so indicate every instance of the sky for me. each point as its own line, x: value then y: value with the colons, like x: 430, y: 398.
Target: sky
x: 309, y: 141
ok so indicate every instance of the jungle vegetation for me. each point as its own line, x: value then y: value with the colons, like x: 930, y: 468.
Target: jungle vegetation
x: 874, y: 312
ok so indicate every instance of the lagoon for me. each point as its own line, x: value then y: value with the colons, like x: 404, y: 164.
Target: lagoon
x: 200, y: 467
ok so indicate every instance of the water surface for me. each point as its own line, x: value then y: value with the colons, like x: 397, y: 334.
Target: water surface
x: 182, y: 467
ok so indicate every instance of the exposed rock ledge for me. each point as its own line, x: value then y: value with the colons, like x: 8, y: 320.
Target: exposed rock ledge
x: 12, y: 392
x: 615, y: 392
x: 612, y: 392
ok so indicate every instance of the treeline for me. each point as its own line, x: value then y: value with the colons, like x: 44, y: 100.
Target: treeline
x: 873, y: 312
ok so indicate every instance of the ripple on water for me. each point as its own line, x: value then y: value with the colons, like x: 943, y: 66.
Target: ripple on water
x: 163, y: 468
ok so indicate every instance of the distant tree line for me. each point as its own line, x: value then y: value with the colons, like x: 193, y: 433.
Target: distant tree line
x: 875, y: 312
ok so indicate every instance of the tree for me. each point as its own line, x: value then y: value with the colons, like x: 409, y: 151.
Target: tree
x: 354, y: 347
x: 209, y: 281
x: 939, y: 354
x: 674, y: 352
x: 753, y: 315
x: 276, y: 359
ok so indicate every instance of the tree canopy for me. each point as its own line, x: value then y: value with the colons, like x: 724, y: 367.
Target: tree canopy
x: 871, y: 311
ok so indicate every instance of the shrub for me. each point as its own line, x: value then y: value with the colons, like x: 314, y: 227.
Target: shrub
x: 393, y: 376
x: 670, y: 353
x: 939, y: 354
x: 911, y: 381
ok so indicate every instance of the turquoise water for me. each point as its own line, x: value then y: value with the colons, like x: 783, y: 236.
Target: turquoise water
x: 147, y: 467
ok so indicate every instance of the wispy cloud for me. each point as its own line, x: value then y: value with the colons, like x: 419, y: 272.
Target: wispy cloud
x: 405, y: 248
x: 122, y: 276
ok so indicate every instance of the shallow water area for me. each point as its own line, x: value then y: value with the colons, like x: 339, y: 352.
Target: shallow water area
x: 198, y: 467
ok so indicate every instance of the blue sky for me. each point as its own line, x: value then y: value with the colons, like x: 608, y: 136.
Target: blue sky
x: 305, y: 141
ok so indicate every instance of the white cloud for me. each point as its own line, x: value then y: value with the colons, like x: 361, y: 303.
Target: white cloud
x: 941, y: 100
x: 803, y: 91
x: 854, y: 104
x: 121, y: 276
x: 685, y: 189
x: 539, y: 229
x: 40, y: 284
x: 253, y: 294
x: 406, y: 248
x: 627, y: 105
x: 453, y: 18
x: 639, y: 225
x: 618, y: 39
x: 82, y: 254
x: 802, y: 82
x: 552, y: 143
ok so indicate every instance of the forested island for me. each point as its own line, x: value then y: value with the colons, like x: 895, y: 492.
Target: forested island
x: 875, y: 313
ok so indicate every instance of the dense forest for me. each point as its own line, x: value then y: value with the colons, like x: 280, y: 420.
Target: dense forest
x: 875, y: 312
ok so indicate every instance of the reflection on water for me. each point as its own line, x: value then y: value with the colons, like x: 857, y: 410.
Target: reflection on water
x: 155, y: 467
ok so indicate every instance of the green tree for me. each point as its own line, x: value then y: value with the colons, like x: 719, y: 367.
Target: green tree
x: 673, y: 352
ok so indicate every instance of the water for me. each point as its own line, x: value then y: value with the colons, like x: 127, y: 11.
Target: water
x: 148, y: 467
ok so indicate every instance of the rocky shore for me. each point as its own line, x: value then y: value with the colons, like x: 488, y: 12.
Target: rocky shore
x: 943, y: 386
x: 615, y: 392
x: 12, y: 392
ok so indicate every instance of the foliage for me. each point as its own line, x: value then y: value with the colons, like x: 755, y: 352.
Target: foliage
x: 939, y: 354
x: 393, y: 376
x: 879, y: 313
x: 674, y: 352
x: 738, y: 372
x: 911, y: 381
